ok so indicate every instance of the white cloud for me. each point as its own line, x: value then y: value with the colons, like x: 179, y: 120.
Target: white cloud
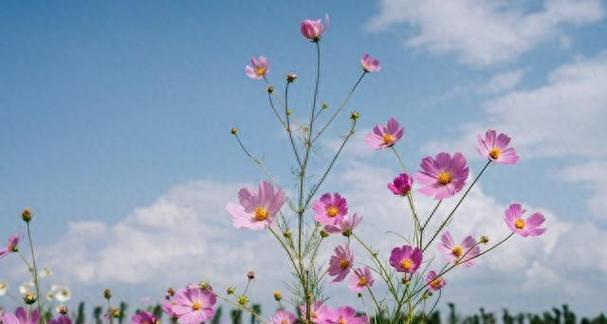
x: 484, y: 32
x: 504, y: 81
x: 593, y: 175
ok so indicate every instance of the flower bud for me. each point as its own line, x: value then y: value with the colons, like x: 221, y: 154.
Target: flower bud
x: 289, y: 112
x: 234, y: 131
x: 359, y: 295
x: 355, y: 115
x: 324, y: 105
x: 270, y: 89
x: 324, y: 234
x: 484, y: 239
x: 115, y: 313
x: 26, y: 215
x: 107, y: 293
x: 29, y: 298
x: 170, y: 293
x: 277, y: 295
x: 243, y: 300
x: 291, y: 77
x: 204, y: 285
x: 405, y: 281
x: 251, y: 275
x: 286, y: 234
x: 62, y: 310
x: 230, y: 290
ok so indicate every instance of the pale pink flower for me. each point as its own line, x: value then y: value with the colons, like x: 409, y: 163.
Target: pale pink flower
x: 21, y: 316
x: 256, y: 211
x: 194, y: 305
x: 347, y: 315
x: 12, y: 246
x: 345, y: 226
x: 495, y: 147
x: 319, y: 312
x: 406, y: 259
x: 433, y: 282
x: 330, y: 208
x: 361, y: 279
x: 401, y: 185
x: 283, y: 317
x: 314, y: 29
x: 457, y: 253
x: 167, y: 308
x: 385, y: 136
x: 258, y: 68
x: 443, y: 176
x: 144, y: 317
x: 340, y: 263
x: 369, y: 63
x: 523, y: 226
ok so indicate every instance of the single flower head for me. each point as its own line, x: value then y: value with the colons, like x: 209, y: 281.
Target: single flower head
x: 459, y: 253
x: 256, y: 211
x: 345, y: 226
x: 144, y: 317
x: 361, y: 279
x: 385, y: 136
x: 495, y: 147
x: 347, y: 315
x: 330, y: 208
x: 401, y: 185
x: 194, y: 304
x: 313, y: 29
x: 21, y: 316
x: 369, y: 63
x: 443, y: 176
x: 434, y: 282
x: 340, y: 263
x: 283, y: 317
x: 11, y: 246
x: 319, y: 312
x: 258, y: 68
x: 65, y: 319
x: 406, y: 259
x: 524, y: 226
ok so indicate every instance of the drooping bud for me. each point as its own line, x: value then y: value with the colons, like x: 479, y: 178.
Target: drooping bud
x: 107, y: 293
x: 26, y: 215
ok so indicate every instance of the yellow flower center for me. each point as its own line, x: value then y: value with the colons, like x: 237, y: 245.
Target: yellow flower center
x: 332, y: 211
x: 519, y: 223
x: 344, y: 263
x: 406, y: 264
x: 495, y: 153
x: 260, y: 71
x: 444, y: 178
x: 436, y: 282
x: 284, y: 321
x: 261, y: 214
x: 342, y: 321
x: 2, y: 285
x: 457, y: 251
x: 362, y: 281
x: 388, y: 139
x: 196, y: 306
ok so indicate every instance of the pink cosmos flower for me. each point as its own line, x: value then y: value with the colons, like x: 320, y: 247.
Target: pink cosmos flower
x: 313, y: 29
x: 495, y: 148
x: 347, y: 315
x: 444, y: 176
x: 330, y: 209
x: 345, y: 226
x: 406, y: 259
x: 64, y: 319
x: 385, y: 136
x: 369, y: 63
x: 256, y: 211
x: 361, y: 279
x: 433, y: 282
x: 12, y: 246
x: 258, y: 68
x: 144, y: 317
x: 340, y: 263
x: 21, y: 316
x: 464, y: 251
x: 401, y: 185
x: 318, y: 312
x: 283, y: 317
x: 524, y: 227
x: 167, y: 308
x: 194, y: 305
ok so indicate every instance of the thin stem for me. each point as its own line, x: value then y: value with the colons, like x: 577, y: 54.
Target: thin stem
x: 431, y: 214
x: 341, y: 107
x: 382, y: 270
x: 109, y: 311
x: 35, y: 274
x: 289, y: 131
x: 257, y: 316
x: 282, y: 123
x: 284, y: 246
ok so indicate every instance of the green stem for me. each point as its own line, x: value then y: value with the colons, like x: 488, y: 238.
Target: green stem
x: 289, y: 131
x: 35, y: 274
x: 282, y: 123
x: 382, y: 270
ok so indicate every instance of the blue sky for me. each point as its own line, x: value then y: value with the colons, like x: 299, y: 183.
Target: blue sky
x: 110, y: 109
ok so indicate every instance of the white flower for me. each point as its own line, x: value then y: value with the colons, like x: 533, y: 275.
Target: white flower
x: 27, y: 287
x: 61, y: 293
x: 3, y: 288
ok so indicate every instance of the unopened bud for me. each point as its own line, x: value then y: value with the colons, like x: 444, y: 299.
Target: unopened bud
x: 251, y: 275
x: 243, y: 300
x: 29, y: 298
x: 234, y: 131
x: 277, y: 295
x: 324, y: 105
x: 484, y: 239
x: 115, y: 313
x: 324, y: 234
x: 291, y: 77
x: 289, y: 112
x: 26, y: 215
x: 359, y: 295
x: 286, y: 234
x: 347, y: 233
x: 405, y: 281
x: 355, y: 115
x: 270, y: 89
x: 62, y: 310
x: 204, y: 285
x: 230, y: 290
x: 107, y: 293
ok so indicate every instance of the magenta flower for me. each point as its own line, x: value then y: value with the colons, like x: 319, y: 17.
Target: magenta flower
x: 258, y: 68
x: 144, y: 317
x: 12, y: 246
x: 444, y: 176
x: 319, y: 312
x: 347, y: 315
x: 457, y: 253
x: 495, y: 148
x: 361, y: 279
x: 313, y: 29
x: 406, y: 259
x: 256, y: 211
x: 167, y: 308
x: 194, y: 305
x: 369, y: 63
x: 330, y: 209
x: 433, y: 282
x: 524, y: 227
x: 21, y: 316
x: 283, y: 317
x: 401, y: 185
x: 64, y: 319
x: 340, y: 263
x: 345, y: 226
x: 385, y: 136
